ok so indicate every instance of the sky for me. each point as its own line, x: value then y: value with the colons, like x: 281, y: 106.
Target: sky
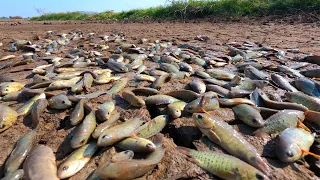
x: 28, y: 8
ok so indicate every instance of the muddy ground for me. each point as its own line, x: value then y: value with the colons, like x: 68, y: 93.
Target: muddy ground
x: 55, y: 128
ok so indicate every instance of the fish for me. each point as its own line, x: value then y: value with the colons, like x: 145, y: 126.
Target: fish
x: 40, y: 164
x: 312, y: 59
x: 312, y: 73
x: 249, y: 115
x: 10, y: 87
x: 138, y: 61
x: 114, y: 116
x: 121, y: 131
x: 307, y: 86
x: 153, y: 126
x: 117, y: 66
x: 107, y: 80
x: 230, y: 140
x: 25, y: 109
x: 105, y: 110
x: 293, y: 144
x: 132, y: 99
x: 282, y: 83
x: 17, y: 175
x: 160, y: 81
x: 198, y: 86
x: 254, y: 74
x: 37, y: 109
x: 39, y: 79
x: 278, y: 122
x: 311, y: 103
x: 280, y: 105
x: 160, y: 99
x: 144, y: 77
x: 7, y: 57
x: 133, y: 168
x: 238, y: 93
x: 202, y: 74
x: 220, y: 74
x: 218, y: 89
x: 78, y: 87
x: 170, y: 68
x: 215, y: 81
x: 77, y: 160
x: 118, y: 86
x: 312, y: 117
x: 137, y: 144
x: 234, y: 101
x: 19, y: 153
x: 87, y: 81
x: 121, y: 156
x: 77, y: 114
x: 184, y: 95
x: 145, y: 91
x: 185, y: 67
x: 222, y: 165
x: 174, y: 109
x: 62, y: 84
x: 207, y: 102
x: 6, y: 79
x: 84, y: 130
x: 60, y: 101
x: 251, y: 85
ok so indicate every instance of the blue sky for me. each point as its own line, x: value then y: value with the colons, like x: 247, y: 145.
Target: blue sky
x: 27, y: 8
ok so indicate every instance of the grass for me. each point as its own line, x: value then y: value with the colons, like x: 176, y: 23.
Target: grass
x: 198, y: 9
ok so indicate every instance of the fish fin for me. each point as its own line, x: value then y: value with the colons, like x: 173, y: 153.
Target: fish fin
x: 204, y: 111
x: 149, y: 126
x: 301, y: 125
x: 310, y: 153
x: 134, y: 136
x: 260, y: 134
x: 212, y: 133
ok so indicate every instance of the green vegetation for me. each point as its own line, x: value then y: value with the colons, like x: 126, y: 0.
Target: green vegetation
x: 199, y: 9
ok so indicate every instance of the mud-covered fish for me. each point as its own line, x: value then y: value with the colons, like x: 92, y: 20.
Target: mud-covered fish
x: 37, y: 110
x: 222, y: 165
x: 220, y: 74
x: 198, y: 86
x: 121, y: 131
x: 184, y: 95
x: 41, y: 164
x: 77, y: 160
x: 307, y: 86
x: 133, y: 168
x: 229, y: 139
x: 207, y: 102
x: 20, y: 152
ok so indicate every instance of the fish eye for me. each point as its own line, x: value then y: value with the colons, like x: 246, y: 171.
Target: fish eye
x: 127, y: 152
x: 6, y: 89
x: 104, y: 136
x: 65, y: 168
x: 63, y: 102
x: 289, y: 154
x: 254, y: 120
x: 2, y: 126
x: 259, y: 176
x: 81, y: 142
x: 199, y: 116
x: 189, y: 108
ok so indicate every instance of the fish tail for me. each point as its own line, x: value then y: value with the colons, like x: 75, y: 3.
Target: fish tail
x: 158, y: 139
x: 141, y: 113
x: 183, y: 150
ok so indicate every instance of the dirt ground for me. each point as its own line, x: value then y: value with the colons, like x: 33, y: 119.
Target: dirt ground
x: 55, y: 128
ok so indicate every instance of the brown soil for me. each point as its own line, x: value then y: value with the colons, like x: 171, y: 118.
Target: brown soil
x: 55, y: 128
